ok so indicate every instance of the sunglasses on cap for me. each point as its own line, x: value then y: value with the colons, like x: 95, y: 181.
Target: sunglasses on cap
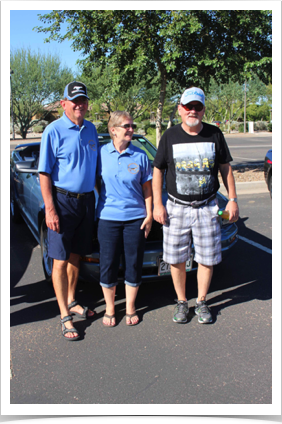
x: 127, y: 126
x: 198, y: 107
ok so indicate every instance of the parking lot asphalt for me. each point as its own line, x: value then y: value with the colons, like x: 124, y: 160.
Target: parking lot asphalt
x: 157, y: 362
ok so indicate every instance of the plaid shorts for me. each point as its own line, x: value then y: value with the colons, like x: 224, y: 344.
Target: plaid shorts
x: 186, y: 224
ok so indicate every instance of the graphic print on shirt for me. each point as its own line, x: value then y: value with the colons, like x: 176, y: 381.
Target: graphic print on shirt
x: 194, y: 163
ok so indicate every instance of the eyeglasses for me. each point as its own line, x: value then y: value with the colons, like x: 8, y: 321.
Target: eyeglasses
x: 127, y: 126
x: 198, y: 107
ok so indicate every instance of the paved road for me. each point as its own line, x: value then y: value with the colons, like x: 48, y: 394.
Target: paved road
x: 249, y: 148
x: 156, y: 362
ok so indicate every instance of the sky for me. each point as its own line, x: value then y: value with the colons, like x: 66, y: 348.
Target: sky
x: 22, y: 35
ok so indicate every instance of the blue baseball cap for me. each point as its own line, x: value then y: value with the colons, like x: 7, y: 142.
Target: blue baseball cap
x: 193, y: 94
x: 75, y: 89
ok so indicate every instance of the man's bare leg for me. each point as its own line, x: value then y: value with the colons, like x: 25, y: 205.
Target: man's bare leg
x: 60, y: 283
x: 178, y: 273
x: 204, y: 277
x: 73, y: 273
x: 181, y: 310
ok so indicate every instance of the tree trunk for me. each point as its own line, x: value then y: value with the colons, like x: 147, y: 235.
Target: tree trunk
x: 245, y: 106
x: 23, y: 131
x: 172, y: 115
x: 160, y: 109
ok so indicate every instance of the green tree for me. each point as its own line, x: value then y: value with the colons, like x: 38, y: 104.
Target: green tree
x: 185, y: 46
x: 38, y: 79
x: 107, y: 94
x: 226, y: 101
x: 252, y: 112
x: 263, y: 112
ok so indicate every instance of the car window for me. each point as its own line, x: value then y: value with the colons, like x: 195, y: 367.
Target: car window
x: 137, y: 141
x: 143, y: 144
x: 104, y: 139
x: 29, y: 154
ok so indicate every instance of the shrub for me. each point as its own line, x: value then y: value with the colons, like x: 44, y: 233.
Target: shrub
x: 269, y: 127
x: 145, y: 125
x: 102, y: 126
x: 260, y: 126
x: 43, y: 124
x: 241, y: 128
x: 38, y: 129
x: 151, y: 130
x: 16, y: 128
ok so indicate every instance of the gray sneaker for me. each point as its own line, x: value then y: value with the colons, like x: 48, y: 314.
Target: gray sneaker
x: 203, y: 312
x: 181, y: 312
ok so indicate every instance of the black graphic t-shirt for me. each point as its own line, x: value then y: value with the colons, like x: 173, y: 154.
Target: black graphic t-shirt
x: 192, y: 162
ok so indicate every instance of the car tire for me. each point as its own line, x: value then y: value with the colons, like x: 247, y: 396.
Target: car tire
x: 47, y: 262
x: 270, y: 185
x: 14, y: 208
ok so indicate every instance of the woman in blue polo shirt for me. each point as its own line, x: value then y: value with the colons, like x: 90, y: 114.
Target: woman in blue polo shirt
x: 125, y: 213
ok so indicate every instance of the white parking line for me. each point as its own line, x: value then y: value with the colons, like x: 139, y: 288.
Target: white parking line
x: 249, y: 147
x: 251, y: 160
x: 259, y: 246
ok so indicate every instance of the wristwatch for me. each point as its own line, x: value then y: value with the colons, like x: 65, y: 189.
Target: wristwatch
x: 233, y: 199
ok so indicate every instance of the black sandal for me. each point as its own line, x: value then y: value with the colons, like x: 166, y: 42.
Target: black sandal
x: 69, y: 330
x: 84, y: 313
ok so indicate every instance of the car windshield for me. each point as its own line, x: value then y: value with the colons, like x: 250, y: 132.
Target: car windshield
x: 137, y: 141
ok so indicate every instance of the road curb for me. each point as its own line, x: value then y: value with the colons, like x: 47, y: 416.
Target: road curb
x: 254, y: 187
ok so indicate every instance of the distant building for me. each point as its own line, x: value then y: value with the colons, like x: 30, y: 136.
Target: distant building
x: 52, y: 112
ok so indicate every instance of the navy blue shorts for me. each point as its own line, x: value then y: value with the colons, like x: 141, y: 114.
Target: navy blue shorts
x: 76, y: 226
x: 116, y: 238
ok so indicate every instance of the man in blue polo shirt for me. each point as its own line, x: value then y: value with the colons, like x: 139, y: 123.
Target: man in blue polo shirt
x: 67, y: 170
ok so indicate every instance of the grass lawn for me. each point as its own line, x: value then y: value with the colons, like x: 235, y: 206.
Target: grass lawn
x: 151, y: 138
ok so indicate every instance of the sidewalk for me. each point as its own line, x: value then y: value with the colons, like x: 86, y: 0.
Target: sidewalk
x: 254, y: 187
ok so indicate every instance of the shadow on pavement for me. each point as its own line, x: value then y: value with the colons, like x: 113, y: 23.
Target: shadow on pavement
x: 245, y: 275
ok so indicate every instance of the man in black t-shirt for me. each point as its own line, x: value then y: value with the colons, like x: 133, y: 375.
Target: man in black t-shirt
x: 191, y: 153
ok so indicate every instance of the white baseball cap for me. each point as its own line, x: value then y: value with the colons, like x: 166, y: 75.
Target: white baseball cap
x: 193, y: 94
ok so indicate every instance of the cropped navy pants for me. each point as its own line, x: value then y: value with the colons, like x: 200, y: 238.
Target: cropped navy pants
x: 117, y: 238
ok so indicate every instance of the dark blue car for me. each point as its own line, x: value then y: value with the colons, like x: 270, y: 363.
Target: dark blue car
x: 268, y: 170
x: 27, y: 203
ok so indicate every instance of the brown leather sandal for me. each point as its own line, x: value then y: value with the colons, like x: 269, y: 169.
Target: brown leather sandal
x: 131, y: 316
x: 110, y: 317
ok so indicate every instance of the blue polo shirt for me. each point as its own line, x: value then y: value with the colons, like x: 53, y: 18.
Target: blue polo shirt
x: 122, y: 174
x: 69, y: 154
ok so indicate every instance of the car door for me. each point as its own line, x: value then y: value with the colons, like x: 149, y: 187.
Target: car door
x: 35, y: 200
x: 17, y: 179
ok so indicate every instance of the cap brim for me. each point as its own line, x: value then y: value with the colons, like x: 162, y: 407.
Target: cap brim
x: 78, y: 95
